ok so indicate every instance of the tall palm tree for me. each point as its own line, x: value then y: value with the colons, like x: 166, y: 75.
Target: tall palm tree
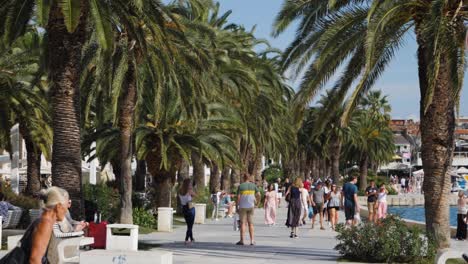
x: 368, y: 142
x: 65, y: 24
x: 369, y: 33
x: 24, y: 102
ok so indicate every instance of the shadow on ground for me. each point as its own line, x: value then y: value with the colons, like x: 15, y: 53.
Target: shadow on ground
x: 229, y: 250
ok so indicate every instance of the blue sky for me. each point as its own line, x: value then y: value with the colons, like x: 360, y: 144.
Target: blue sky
x: 399, y: 82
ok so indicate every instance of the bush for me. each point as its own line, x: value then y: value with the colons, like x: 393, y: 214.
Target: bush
x: 106, y: 198
x: 25, y: 202
x: 143, y: 218
x: 390, y: 241
x: 272, y: 173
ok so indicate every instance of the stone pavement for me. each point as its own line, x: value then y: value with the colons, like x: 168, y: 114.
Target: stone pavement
x: 215, y: 243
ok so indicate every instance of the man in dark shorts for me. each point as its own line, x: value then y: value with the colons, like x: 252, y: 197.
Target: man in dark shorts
x: 351, y: 205
x: 371, y: 193
x: 318, y: 197
x: 247, y: 195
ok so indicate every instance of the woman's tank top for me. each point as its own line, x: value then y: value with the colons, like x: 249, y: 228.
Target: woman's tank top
x: 334, y: 199
x: 185, y: 199
x: 461, y: 206
x: 26, y: 242
x: 382, y: 198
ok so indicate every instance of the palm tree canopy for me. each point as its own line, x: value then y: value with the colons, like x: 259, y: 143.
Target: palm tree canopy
x: 363, y: 36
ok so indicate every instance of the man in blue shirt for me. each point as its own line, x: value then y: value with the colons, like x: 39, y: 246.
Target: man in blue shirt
x: 351, y: 204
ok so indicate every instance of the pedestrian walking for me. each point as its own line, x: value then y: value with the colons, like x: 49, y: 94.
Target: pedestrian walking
x: 279, y: 194
x: 186, y: 195
x: 350, y: 201
x: 305, y: 201
x: 371, y: 193
x: 461, y: 216
x: 247, y: 195
x: 215, y: 199
x: 403, y: 185
x: 270, y: 205
x: 307, y: 184
x: 326, y: 213
x: 334, y: 204
x: 382, y: 202
x: 317, y: 198
x: 295, y: 206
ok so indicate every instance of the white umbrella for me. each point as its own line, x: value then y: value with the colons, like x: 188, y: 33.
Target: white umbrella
x: 462, y: 170
x: 418, y: 172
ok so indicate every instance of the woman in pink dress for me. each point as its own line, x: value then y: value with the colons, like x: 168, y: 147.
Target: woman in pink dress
x: 270, y: 206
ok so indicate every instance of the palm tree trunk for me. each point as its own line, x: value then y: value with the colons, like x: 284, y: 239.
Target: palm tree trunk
x: 162, y: 181
x: 226, y: 179
x: 335, y: 158
x: 140, y: 176
x: 33, y: 159
x: 184, y: 172
x: 235, y: 177
x: 437, y: 136
x: 214, y: 178
x: 126, y: 120
x: 315, y: 171
x: 256, y: 166
x: 198, y: 172
x: 64, y: 76
x: 363, y: 166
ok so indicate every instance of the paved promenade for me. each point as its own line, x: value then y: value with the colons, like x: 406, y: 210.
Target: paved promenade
x: 215, y: 243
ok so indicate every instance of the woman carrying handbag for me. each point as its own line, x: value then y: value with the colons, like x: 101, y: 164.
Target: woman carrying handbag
x: 186, y: 195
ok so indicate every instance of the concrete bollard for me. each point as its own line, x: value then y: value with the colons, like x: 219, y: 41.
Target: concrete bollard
x: 165, y: 219
x: 200, y: 213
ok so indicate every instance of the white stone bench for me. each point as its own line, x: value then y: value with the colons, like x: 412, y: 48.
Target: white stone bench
x: 127, y: 257
x: 126, y: 241
x: 12, y: 241
x: 446, y: 254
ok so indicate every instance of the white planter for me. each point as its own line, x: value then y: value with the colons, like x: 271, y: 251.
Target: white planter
x: 127, y: 241
x: 165, y: 219
x: 200, y: 213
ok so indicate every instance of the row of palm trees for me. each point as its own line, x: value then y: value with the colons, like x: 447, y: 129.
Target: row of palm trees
x: 177, y: 85
x: 327, y: 148
x: 170, y: 85
x: 362, y: 37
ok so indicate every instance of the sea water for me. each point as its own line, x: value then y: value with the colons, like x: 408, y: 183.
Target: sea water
x: 416, y: 213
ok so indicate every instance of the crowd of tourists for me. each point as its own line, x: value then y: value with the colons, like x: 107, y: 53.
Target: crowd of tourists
x: 313, y: 200
x: 309, y: 200
x: 406, y: 185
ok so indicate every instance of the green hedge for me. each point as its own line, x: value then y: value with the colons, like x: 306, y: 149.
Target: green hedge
x: 106, y: 198
x: 389, y: 241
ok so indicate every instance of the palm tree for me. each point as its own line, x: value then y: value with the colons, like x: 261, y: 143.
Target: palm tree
x: 368, y: 142
x: 169, y: 136
x: 65, y: 24
x: 24, y: 102
x: 369, y: 33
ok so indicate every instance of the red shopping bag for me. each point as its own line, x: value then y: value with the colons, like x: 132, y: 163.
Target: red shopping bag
x: 98, y: 231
